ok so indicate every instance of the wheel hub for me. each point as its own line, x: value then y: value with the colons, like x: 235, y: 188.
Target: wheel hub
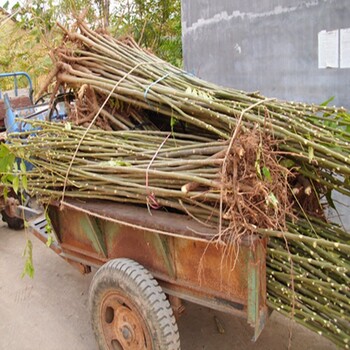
x: 124, y: 328
x: 126, y: 333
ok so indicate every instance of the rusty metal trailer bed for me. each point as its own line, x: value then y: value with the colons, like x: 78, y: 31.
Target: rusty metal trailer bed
x: 167, y: 247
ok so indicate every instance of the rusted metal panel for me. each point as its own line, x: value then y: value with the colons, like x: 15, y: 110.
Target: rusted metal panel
x: 78, y: 231
x: 149, y: 249
x: 198, y: 295
x: 229, y: 278
x: 138, y: 217
x: 43, y: 237
x: 221, y: 269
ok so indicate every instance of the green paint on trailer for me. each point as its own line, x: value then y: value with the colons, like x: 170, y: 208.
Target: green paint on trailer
x: 94, y: 233
x: 161, y: 245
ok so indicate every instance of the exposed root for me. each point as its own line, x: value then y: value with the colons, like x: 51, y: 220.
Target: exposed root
x: 255, y: 185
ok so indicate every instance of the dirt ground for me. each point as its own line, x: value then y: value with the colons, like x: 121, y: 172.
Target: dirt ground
x: 50, y: 312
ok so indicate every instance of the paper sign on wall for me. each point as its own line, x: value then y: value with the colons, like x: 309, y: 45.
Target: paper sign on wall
x: 345, y: 48
x: 328, y: 49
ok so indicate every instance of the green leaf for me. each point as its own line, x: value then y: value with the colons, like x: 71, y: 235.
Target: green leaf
x: 330, y: 200
x: 257, y: 163
x: 325, y: 103
x: 25, y: 183
x: 287, y: 163
x: 331, y: 124
x: 16, y: 6
x: 266, y: 173
x: 7, y: 163
x: 23, y: 166
x: 4, y: 151
x: 15, y: 167
x: 7, y: 179
x: 28, y: 265
x: 49, y: 240
x: 15, y: 184
x: 28, y: 269
x: 272, y: 200
x: 173, y: 122
x: 5, y: 193
x: 48, y: 226
x: 48, y: 229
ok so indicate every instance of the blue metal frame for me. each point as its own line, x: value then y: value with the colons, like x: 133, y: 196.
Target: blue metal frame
x: 39, y: 112
x: 15, y: 75
x: 32, y: 111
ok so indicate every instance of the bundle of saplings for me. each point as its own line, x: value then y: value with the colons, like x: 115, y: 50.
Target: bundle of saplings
x: 144, y: 132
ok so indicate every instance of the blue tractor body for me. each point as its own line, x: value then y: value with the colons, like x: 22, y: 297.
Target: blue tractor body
x: 17, y: 105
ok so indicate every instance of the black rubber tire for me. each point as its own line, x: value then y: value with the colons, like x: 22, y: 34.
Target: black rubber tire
x: 136, y: 283
x: 13, y: 223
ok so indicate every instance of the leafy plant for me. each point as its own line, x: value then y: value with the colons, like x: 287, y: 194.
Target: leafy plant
x: 28, y: 255
x: 155, y: 24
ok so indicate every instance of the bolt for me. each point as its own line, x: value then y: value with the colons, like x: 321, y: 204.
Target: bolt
x: 126, y: 333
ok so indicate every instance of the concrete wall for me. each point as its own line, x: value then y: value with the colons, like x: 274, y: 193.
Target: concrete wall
x: 275, y: 46
x: 266, y: 45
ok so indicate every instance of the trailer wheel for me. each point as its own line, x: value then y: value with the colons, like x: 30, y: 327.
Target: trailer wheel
x: 129, y: 310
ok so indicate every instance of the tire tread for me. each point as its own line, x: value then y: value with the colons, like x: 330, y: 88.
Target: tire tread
x: 150, y: 292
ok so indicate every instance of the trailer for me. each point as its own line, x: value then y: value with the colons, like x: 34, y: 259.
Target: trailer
x: 147, y: 261
x: 147, y: 264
